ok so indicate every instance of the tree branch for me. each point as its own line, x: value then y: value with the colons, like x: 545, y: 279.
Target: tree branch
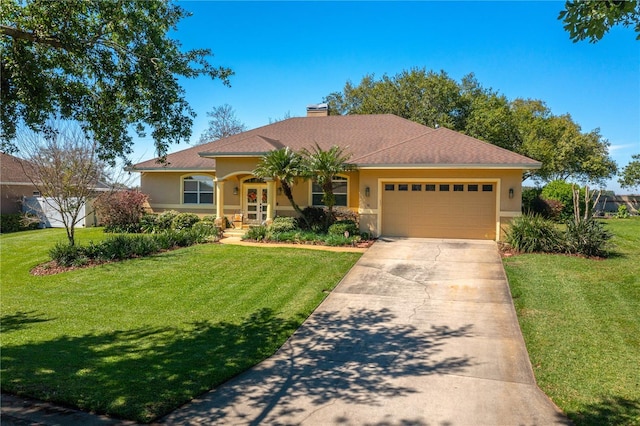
x: 32, y: 37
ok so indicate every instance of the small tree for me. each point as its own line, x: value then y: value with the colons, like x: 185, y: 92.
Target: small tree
x: 64, y: 167
x: 222, y: 123
x: 323, y: 166
x: 121, y: 211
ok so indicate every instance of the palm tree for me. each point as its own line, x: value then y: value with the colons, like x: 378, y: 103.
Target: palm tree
x: 323, y: 166
x: 284, y: 166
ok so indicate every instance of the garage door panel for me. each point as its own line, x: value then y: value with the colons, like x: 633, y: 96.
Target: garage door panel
x: 440, y: 214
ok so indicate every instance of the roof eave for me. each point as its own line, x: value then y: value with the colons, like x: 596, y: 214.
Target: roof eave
x: 451, y: 166
x: 168, y: 169
x: 232, y: 154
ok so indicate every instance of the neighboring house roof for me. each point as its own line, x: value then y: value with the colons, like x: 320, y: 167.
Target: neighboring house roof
x: 373, y: 140
x: 12, y: 170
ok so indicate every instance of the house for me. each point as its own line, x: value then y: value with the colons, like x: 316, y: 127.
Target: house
x: 411, y: 181
x: 20, y: 195
x: 14, y: 183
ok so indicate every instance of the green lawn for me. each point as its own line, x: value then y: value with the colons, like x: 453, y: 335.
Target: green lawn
x: 581, y: 322
x: 137, y: 339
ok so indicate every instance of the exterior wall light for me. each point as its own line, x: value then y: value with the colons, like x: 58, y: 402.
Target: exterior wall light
x: 235, y: 190
x: 367, y: 191
x: 510, y: 192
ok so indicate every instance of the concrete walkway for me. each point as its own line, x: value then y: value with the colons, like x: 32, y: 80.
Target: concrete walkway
x: 419, y: 332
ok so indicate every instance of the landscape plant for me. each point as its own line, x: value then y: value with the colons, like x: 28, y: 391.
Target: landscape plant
x: 531, y: 233
x: 184, y: 221
x: 121, y: 210
x: 323, y: 166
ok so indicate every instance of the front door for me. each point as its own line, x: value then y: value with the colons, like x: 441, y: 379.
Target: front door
x: 255, y: 203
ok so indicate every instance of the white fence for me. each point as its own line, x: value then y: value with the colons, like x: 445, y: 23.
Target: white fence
x: 50, y: 218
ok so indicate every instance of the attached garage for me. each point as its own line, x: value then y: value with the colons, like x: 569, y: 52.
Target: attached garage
x: 442, y: 209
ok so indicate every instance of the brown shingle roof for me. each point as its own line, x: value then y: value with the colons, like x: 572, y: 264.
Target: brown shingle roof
x: 11, y: 169
x: 373, y: 140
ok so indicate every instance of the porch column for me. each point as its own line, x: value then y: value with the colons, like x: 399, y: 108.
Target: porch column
x: 219, y: 199
x: 271, y: 199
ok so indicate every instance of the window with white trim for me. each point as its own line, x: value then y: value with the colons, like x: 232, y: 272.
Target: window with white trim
x: 340, y: 185
x: 197, y: 189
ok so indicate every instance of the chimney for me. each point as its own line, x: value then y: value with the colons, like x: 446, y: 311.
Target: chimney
x: 318, y: 110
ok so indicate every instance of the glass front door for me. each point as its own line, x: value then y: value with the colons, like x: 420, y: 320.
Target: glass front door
x: 256, y: 203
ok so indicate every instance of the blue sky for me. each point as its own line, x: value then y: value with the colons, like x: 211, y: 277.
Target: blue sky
x: 287, y: 55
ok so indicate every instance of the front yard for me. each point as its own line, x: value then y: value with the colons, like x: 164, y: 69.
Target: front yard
x: 581, y: 323
x: 138, y: 338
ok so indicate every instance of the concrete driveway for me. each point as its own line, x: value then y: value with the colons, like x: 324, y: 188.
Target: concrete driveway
x: 419, y: 332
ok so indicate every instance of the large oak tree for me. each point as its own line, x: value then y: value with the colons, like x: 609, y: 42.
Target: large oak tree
x: 592, y: 19
x: 109, y: 65
x: 524, y: 126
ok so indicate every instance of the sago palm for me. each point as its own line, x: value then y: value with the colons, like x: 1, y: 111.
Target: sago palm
x: 323, y: 166
x: 284, y: 166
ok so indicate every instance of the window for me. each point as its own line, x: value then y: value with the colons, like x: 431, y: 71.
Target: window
x: 403, y: 187
x: 430, y: 187
x: 472, y: 188
x: 487, y: 188
x: 389, y: 187
x: 416, y: 187
x: 458, y: 188
x: 339, y: 191
x: 197, y: 190
x: 444, y: 187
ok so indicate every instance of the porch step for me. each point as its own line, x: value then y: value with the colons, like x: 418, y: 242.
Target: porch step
x: 234, y: 232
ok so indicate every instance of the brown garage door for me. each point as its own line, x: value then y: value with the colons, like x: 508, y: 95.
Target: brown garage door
x: 439, y: 210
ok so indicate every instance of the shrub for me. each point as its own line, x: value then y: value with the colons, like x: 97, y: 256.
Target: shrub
x: 257, y: 233
x: 562, y: 191
x: 131, y: 228
x: 283, y: 224
x: 205, y: 230
x: 342, y: 226
x: 587, y: 237
x: 553, y: 209
x: 315, y: 219
x: 531, y: 201
x: 209, y: 218
x: 184, y: 221
x: 340, y: 240
x: 165, y: 219
x: 532, y: 233
x: 623, y: 212
x: 14, y: 222
x: 148, y: 223
x: 65, y: 254
x: 343, y: 213
x: 120, y: 211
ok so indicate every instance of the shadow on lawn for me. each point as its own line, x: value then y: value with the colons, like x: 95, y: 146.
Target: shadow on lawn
x: 608, y: 411
x: 356, y: 359
x: 20, y: 320
x: 141, y: 373
x: 144, y: 373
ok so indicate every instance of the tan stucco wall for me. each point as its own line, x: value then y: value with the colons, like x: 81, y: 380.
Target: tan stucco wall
x: 164, y: 190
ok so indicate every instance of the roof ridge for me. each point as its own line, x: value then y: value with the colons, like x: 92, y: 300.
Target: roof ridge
x: 480, y: 140
x: 273, y: 142
x: 430, y: 130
